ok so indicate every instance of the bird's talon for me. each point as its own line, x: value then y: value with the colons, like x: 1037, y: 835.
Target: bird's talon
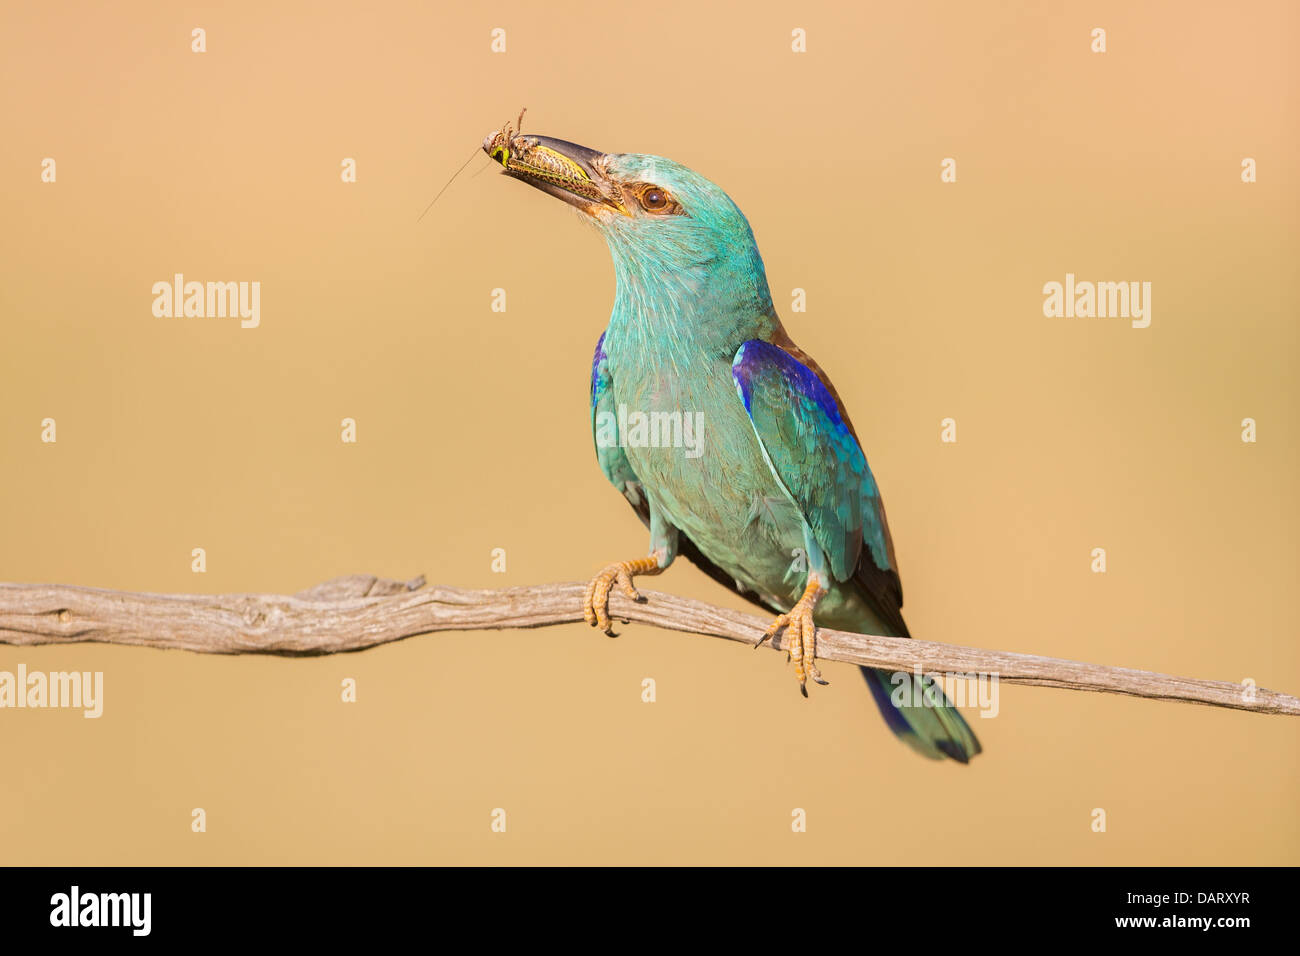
x: 772, y: 629
x: 800, y: 636
x: 595, y: 599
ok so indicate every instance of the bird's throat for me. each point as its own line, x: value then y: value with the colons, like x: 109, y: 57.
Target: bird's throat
x: 688, y: 312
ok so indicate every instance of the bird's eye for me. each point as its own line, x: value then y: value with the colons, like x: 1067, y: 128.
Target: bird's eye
x: 654, y: 199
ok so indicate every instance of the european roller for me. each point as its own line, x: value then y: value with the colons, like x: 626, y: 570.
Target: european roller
x: 776, y: 500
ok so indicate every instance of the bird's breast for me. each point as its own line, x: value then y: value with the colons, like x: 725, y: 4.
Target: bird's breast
x: 689, y: 439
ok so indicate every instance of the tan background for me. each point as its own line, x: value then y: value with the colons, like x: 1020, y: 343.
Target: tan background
x: 924, y: 302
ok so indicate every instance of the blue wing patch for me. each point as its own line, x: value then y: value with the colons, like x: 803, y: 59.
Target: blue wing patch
x: 604, y: 432
x: 812, y: 452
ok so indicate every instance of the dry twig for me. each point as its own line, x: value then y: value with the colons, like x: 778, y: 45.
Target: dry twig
x: 359, y: 611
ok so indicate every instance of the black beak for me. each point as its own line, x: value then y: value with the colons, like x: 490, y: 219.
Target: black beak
x: 565, y: 170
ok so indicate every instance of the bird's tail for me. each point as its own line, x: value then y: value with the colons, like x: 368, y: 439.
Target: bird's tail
x: 919, y: 712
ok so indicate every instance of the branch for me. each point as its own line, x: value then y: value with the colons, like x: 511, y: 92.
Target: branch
x: 360, y: 611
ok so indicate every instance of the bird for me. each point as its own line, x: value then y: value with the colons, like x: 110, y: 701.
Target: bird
x: 773, y: 498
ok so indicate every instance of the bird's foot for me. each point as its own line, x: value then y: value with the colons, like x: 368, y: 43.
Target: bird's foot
x: 801, y: 635
x: 595, y: 600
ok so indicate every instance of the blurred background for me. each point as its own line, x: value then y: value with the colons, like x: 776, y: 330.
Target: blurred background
x: 924, y: 302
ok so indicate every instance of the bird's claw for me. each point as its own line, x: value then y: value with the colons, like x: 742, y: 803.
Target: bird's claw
x: 595, y: 599
x: 801, y: 638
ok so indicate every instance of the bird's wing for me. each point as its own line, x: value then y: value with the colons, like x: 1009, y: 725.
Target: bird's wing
x: 809, y: 448
x: 613, y: 462
x: 814, y: 452
x: 609, y: 452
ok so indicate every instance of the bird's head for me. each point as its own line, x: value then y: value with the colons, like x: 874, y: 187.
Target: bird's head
x: 665, y: 224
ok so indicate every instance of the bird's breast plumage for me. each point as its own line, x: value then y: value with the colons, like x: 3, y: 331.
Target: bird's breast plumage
x: 718, y: 490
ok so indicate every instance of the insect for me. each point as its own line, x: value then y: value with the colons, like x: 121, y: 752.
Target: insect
x: 527, y: 156
x: 504, y: 140
x: 500, y: 151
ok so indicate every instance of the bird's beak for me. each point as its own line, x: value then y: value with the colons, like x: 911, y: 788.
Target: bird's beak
x: 565, y: 170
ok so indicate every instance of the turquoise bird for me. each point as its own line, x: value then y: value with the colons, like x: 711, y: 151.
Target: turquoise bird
x: 727, y: 439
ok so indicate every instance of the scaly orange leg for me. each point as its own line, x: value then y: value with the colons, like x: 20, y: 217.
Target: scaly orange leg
x: 801, y: 634
x: 595, y: 600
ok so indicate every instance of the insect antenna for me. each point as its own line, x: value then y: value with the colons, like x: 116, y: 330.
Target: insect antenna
x: 449, y: 182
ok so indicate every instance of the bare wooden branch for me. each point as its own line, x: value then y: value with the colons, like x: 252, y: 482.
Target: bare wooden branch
x: 360, y: 611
